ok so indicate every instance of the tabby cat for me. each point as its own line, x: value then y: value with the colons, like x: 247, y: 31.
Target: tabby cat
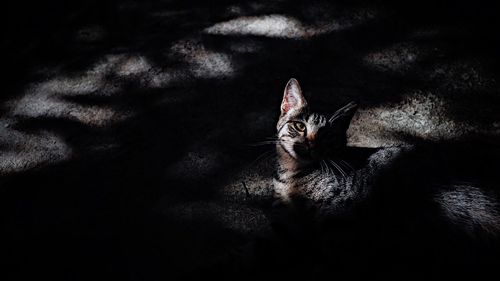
x: 419, y: 212
x: 315, y: 167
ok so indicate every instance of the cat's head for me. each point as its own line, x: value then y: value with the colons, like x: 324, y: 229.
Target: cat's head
x: 309, y: 136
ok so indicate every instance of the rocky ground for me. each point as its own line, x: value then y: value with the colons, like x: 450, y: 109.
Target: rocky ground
x: 126, y: 127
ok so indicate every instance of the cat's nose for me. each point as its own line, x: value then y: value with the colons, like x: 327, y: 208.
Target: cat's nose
x: 311, y: 138
x: 311, y: 141
x: 312, y: 147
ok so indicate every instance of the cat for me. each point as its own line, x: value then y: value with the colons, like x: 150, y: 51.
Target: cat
x: 382, y: 194
x: 311, y: 146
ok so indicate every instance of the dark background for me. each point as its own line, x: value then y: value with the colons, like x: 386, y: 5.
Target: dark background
x: 125, y: 124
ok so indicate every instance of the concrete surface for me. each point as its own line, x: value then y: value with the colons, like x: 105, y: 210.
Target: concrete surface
x: 126, y: 128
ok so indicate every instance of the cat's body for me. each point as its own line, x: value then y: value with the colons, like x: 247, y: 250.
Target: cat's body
x: 388, y: 182
x: 421, y: 188
x: 379, y: 213
x: 332, y: 189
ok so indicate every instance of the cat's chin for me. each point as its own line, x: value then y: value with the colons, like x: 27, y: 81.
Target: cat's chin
x: 303, y: 161
x: 309, y: 158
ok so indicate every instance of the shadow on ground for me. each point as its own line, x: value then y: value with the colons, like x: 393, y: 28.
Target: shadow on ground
x: 125, y: 125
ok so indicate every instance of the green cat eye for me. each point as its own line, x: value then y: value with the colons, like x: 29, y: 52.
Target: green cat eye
x: 299, y: 126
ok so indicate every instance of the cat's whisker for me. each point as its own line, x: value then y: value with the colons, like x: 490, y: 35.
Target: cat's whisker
x: 267, y: 157
x: 329, y: 169
x: 338, y: 168
x: 342, y: 111
x: 296, y: 143
x: 333, y: 118
x: 344, y: 173
x: 264, y: 156
x: 261, y: 143
x: 267, y: 141
x: 346, y: 164
x: 277, y: 141
x: 326, y: 167
x: 265, y: 153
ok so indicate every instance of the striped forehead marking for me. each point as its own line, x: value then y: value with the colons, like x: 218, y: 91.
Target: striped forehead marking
x: 316, y: 118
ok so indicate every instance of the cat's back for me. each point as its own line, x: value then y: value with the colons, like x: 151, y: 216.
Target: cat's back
x: 451, y: 185
x: 338, y: 189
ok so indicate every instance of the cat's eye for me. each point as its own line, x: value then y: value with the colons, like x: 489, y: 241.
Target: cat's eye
x: 299, y: 126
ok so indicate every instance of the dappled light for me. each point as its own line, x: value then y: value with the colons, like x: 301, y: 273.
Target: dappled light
x: 270, y: 26
x: 135, y: 134
x: 46, y: 104
x: 134, y: 65
x: 419, y: 114
x: 203, y: 63
x: 25, y: 150
x: 281, y: 26
x: 399, y: 58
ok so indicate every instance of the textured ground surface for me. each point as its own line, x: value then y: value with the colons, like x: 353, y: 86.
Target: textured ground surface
x: 125, y: 127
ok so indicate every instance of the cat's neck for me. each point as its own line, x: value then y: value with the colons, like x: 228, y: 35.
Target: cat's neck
x: 289, y: 164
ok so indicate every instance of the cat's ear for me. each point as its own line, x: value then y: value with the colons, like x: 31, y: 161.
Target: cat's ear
x: 293, y: 100
x: 342, y: 117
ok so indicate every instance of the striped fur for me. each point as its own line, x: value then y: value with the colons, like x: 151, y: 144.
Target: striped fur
x: 311, y: 168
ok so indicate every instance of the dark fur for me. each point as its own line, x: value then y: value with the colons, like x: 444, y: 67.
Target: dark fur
x: 424, y: 208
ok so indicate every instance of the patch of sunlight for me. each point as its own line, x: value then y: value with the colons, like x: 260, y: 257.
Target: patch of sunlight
x: 46, y: 104
x: 198, y: 63
x: 96, y: 80
x: 107, y: 64
x: 255, y: 181
x: 208, y: 64
x: 92, y: 81
x: 159, y: 79
x: 397, y: 58
x: 86, y: 84
x: 133, y: 65
x: 20, y: 151
x: 201, y: 62
x: 419, y: 114
x: 270, y: 26
x: 124, y: 65
x: 47, y: 98
x: 281, y: 26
